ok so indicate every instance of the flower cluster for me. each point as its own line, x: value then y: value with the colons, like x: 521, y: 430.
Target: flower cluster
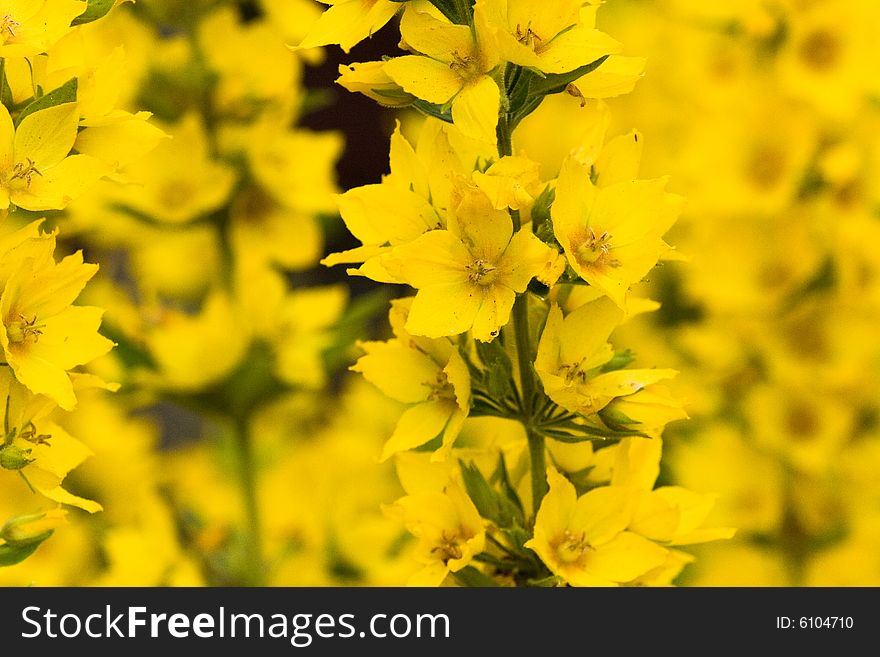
x: 522, y: 271
x: 58, y: 115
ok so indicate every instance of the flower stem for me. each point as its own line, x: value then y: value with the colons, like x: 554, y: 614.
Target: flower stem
x: 253, y: 572
x: 528, y: 385
x: 525, y: 358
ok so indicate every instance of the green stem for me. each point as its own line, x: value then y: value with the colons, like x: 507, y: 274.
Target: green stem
x: 253, y: 559
x: 525, y: 359
x: 529, y: 389
x: 503, y: 133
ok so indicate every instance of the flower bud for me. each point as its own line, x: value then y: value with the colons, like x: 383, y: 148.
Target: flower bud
x: 13, y: 457
x: 23, y: 530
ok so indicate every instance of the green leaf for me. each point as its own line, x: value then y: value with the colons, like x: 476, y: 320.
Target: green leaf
x: 530, y: 87
x: 503, y: 477
x: 470, y: 576
x: 497, y: 372
x: 432, y: 109
x: 5, y: 91
x: 13, y: 554
x: 95, y: 10
x: 66, y: 93
x: 554, y: 83
x: 458, y: 11
x: 570, y: 432
x: 480, y: 492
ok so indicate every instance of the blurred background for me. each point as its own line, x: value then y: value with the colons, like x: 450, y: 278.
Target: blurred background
x: 239, y: 437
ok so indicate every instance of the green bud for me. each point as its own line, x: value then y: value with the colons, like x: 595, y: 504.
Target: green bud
x: 33, y: 528
x: 14, y: 458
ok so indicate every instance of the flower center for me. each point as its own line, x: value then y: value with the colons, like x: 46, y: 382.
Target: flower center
x: 25, y: 171
x: 592, y: 248
x: 21, y: 329
x: 175, y: 194
x: 466, y: 67
x: 8, y: 26
x: 481, y: 272
x: 571, y: 547
x: 449, y: 546
x: 820, y: 50
x: 527, y: 36
x: 440, y: 388
x: 766, y: 165
x: 573, y: 371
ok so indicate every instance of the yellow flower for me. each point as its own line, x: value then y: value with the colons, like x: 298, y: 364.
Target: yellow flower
x: 671, y: 515
x: 252, y: 64
x: 178, y: 181
x: 468, y: 275
x: 348, y: 22
x: 449, y: 530
x: 584, y: 540
x: 43, y: 335
x: 429, y: 375
x: 48, y: 453
x: 572, y: 352
x: 452, y: 67
x: 612, y: 235
x: 370, y: 79
x: 395, y: 211
x: 30, y: 27
x: 295, y: 167
x: 547, y: 36
x: 303, y: 331
x: 411, y: 200
x: 37, y: 171
x: 193, y: 351
x: 647, y: 410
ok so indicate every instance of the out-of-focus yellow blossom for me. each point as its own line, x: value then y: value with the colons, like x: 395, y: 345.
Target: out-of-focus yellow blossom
x: 146, y: 551
x: 30, y: 27
x: 748, y: 484
x: 826, y: 54
x: 269, y: 233
x: 429, y: 375
x: 452, y: 67
x: 584, y: 540
x: 296, y: 167
x: 737, y: 565
x: 37, y: 171
x: 195, y: 350
x: 269, y: 73
x: 805, y: 429
x: 612, y: 235
x: 303, y: 325
x: 469, y: 274
x: 181, y: 263
x: 292, y: 18
x: 179, y: 180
